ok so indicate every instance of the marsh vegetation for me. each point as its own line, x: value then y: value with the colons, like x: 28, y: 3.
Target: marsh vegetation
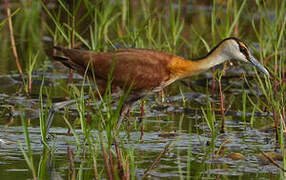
x: 179, y: 136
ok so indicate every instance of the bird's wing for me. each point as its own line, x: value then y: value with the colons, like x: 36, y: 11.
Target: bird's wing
x: 141, y: 69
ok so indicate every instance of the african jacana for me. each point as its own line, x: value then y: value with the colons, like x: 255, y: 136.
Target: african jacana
x: 149, y: 70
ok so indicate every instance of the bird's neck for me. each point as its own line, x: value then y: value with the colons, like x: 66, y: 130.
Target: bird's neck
x: 213, y: 59
x: 181, y: 68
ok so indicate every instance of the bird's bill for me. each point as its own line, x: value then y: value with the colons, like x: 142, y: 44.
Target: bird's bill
x: 259, y: 66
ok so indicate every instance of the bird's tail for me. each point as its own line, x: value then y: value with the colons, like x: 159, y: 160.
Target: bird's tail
x: 58, y: 48
x: 71, y: 58
x: 64, y: 60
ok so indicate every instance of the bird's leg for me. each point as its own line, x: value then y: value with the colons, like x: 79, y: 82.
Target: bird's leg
x: 142, y: 109
x: 161, y: 96
x: 100, y: 90
x: 124, y: 112
x: 132, y: 98
x: 56, y: 107
x: 99, y: 93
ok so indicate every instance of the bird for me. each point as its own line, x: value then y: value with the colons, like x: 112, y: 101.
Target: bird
x: 148, y: 71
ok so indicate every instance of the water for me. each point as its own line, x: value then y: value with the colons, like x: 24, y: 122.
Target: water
x: 170, y: 122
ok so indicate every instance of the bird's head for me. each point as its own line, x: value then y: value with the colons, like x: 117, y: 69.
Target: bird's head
x: 233, y: 48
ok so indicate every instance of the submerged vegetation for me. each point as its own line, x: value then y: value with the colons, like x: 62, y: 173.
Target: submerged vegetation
x: 179, y: 135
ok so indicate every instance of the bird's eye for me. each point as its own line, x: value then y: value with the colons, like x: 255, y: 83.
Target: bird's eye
x: 242, y: 50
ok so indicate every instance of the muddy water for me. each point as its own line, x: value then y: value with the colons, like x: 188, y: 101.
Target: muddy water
x: 195, y: 151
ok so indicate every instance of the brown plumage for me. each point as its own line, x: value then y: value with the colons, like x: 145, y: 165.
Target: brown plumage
x: 143, y: 69
x: 148, y: 70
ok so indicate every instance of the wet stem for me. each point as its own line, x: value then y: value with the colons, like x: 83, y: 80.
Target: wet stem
x: 222, y: 109
x: 8, y: 12
x: 71, y: 161
x: 106, y: 162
